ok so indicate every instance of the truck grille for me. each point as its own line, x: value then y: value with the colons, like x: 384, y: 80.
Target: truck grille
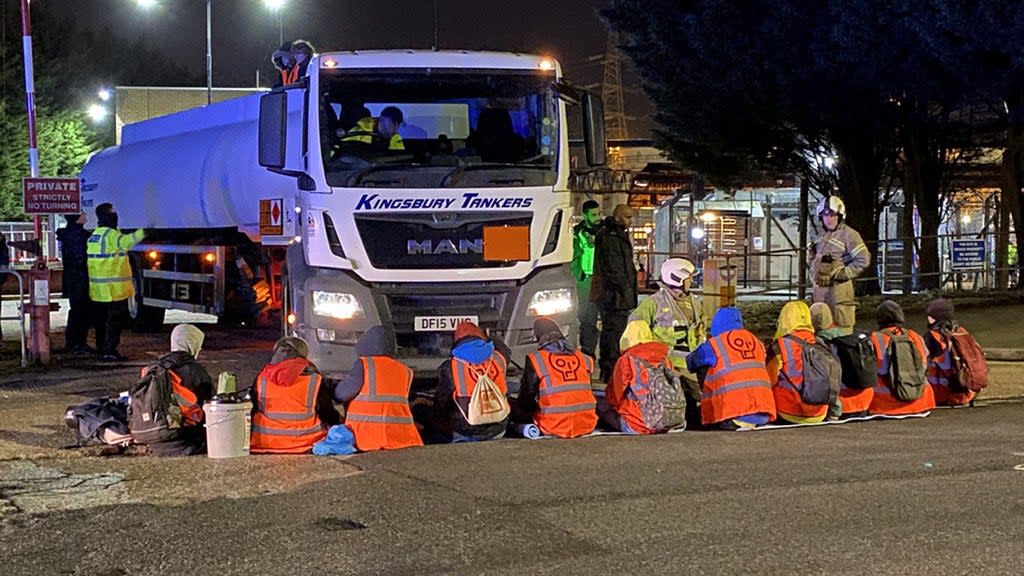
x: 442, y: 241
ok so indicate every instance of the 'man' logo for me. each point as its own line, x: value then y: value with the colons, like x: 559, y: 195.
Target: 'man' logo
x: 446, y: 246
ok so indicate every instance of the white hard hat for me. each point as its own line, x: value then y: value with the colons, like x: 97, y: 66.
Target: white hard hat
x: 832, y: 203
x: 675, y: 270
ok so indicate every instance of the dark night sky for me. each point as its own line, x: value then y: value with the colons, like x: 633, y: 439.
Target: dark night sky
x: 245, y: 32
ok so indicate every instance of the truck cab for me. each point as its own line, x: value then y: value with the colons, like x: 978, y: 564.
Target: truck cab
x: 465, y: 215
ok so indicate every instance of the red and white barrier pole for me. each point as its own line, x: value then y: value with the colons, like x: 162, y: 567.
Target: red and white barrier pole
x: 39, y: 303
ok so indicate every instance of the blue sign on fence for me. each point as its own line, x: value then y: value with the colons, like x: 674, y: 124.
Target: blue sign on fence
x: 968, y: 255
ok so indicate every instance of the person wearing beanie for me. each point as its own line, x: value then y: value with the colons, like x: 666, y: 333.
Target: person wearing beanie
x: 375, y: 393
x: 941, y: 325
x: 110, y: 280
x: 73, y: 238
x: 292, y: 404
x: 613, y: 287
x: 191, y: 387
x: 734, y: 381
x: 472, y: 355
x: 785, y: 370
x: 892, y: 337
x: 556, y: 394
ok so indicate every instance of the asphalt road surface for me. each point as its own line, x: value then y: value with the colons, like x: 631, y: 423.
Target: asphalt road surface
x: 941, y: 495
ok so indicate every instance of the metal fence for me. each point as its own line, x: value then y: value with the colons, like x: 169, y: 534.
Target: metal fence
x: 20, y: 231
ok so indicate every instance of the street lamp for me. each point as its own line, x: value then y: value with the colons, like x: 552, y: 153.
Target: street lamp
x: 278, y: 7
x: 97, y: 113
x: 149, y: 4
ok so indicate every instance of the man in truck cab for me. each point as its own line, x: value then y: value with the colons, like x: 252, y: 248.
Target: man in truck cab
x: 380, y: 132
x: 110, y: 279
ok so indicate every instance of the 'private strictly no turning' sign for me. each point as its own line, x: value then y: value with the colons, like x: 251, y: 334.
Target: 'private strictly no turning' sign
x: 51, y: 195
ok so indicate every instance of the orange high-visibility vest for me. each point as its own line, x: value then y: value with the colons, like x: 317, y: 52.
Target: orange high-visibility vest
x: 786, y: 388
x: 379, y: 416
x: 940, y: 368
x: 737, y: 385
x: 285, y: 421
x: 884, y: 402
x: 191, y: 412
x: 464, y: 375
x: 565, y: 397
x: 290, y: 76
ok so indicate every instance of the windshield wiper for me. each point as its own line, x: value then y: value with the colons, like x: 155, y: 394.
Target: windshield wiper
x: 357, y: 178
x: 453, y: 176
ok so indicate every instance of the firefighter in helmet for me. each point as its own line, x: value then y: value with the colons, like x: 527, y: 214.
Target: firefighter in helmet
x: 837, y: 257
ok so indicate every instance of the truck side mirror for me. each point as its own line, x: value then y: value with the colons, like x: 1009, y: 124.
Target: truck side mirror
x: 273, y: 130
x: 593, y: 130
x: 282, y: 147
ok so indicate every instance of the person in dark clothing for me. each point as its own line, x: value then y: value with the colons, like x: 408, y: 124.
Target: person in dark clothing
x: 193, y: 388
x: 613, y: 287
x: 75, y: 281
x: 473, y: 349
x: 495, y: 138
x: 5, y: 254
x: 292, y: 59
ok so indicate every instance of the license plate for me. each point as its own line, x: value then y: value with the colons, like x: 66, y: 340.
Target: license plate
x: 441, y: 323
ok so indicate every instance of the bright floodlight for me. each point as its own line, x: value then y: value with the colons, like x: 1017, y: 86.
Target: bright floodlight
x: 97, y: 113
x: 274, y: 4
x: 104, y: 94
x: 146, y: 4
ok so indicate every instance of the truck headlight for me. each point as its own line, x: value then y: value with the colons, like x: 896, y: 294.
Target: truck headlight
x: 548, y: 302
x: 336, y: 305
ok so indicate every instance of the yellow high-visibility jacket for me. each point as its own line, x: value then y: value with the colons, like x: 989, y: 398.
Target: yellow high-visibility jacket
x: 110, y: 272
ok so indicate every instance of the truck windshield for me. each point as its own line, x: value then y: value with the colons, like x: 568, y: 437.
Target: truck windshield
x: 435, y: 128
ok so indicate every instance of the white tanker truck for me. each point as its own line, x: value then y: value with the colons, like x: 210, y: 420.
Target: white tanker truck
x: 269, y: 202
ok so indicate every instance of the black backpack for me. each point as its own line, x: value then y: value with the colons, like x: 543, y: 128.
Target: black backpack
x: 907, y: 377
x: 153, y: 414
x: 821, y: 372
x: 858, y: 360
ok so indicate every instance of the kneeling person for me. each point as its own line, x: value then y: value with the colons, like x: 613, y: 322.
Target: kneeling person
x: 376, y: 395
x: 292, y: 409
x: 556, y: 393
x: 736, y: 392
x: 175, y: 430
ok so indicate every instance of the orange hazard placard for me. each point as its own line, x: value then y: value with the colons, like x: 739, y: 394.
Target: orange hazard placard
x: 272, y: 217
x: 505, y: 243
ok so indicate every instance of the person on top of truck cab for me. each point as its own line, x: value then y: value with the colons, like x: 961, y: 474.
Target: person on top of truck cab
x: 375, y: 393
x: 292, y: 59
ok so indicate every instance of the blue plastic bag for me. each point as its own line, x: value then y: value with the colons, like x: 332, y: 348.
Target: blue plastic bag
x: 339, y: 442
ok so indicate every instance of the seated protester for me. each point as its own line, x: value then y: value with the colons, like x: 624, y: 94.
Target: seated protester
x: 785, y: 368
x: 902, y: 387
x: 736, y: 392
x: 622, y: 408
x: 940, y: 355
x: 375, y: 393
x: 292, y: 409
x: 556, y: 394
x: 190, y: 387
x: 851, y: 401
x: 472, y: 355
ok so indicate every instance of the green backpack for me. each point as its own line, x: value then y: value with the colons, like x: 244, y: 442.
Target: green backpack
x: 906, y: 369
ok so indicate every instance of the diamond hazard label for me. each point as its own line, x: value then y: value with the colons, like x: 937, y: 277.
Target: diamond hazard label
x: 272, y: 217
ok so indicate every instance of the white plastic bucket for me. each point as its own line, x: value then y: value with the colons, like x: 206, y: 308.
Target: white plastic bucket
x: 227, y: 429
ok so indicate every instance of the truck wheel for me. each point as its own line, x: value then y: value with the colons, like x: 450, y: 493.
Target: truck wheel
x: 144, y: 318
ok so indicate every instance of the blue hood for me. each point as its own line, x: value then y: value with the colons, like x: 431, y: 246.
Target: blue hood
x: 726, y: 319
x: 473, y: 350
